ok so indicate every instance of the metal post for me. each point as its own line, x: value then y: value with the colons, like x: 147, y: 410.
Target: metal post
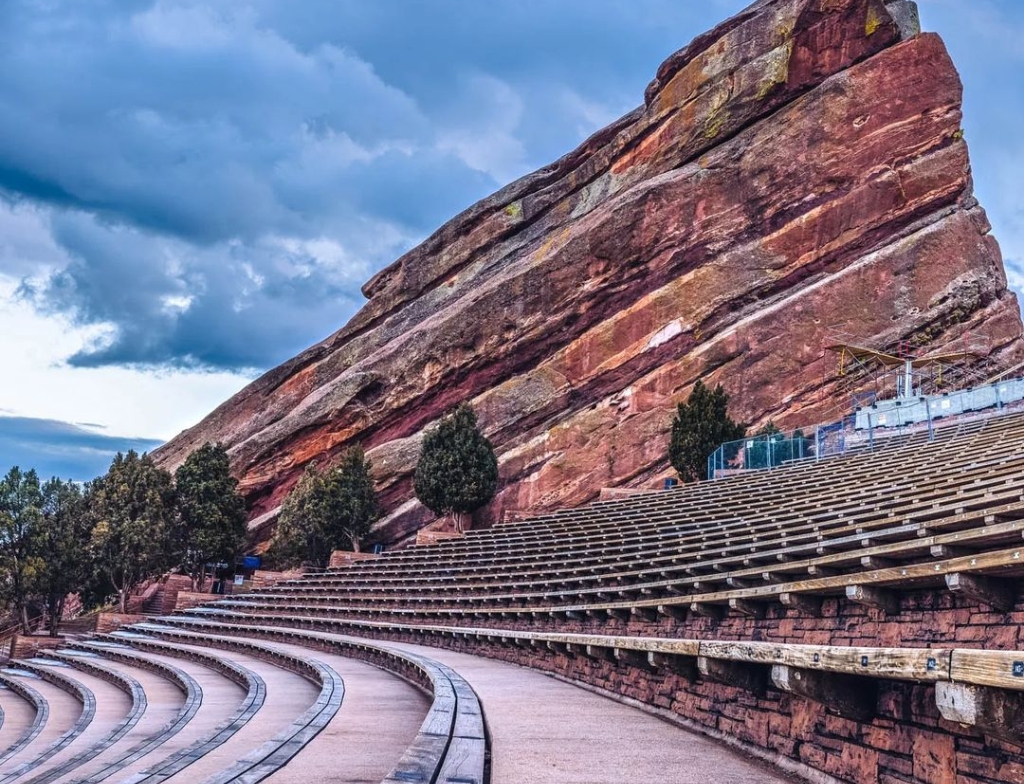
x: 871, y: 433
x: 928, y: 414
x: 817, y: 442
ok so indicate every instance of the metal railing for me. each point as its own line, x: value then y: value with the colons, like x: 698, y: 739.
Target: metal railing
x: 869, y: 427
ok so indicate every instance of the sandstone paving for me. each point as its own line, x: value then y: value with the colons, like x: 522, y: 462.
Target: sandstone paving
x: 64, y: 712
x: 378, y: 720
x: 221, y: 698
x: 18, y: 717
x: 288, y: 696
x: 112, y: 706
x: 543, y: 731
x: 163, y: 701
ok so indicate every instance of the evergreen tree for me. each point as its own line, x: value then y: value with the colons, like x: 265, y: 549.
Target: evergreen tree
x: 60, y: 543
x: 457, y: 471
x: 211, y: 512
x: 300, y: 535
x: 761, y: 454
x: 132, y: 510
x: 326, y: 511
x: 21, y: 502
x: 351, y: 499
x: 700, y: 426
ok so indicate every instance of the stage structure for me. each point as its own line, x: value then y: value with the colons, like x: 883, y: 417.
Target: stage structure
x: 892, y: 392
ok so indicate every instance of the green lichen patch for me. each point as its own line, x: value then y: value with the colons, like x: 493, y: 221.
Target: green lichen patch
x: 514, y: 210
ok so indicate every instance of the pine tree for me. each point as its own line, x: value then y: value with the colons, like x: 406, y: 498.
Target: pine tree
x: 132, y: 507
x: 211, y: 512
x: 326, y: 511
x: 62, y: 534
x: 21, y: 502
x: 457, y: 471
x: 351, y: 499
x: 700, y: 426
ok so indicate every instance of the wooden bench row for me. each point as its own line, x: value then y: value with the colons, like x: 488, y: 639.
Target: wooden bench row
x: 451, y: 743
x: 190, y: 689
x: 837, y: 676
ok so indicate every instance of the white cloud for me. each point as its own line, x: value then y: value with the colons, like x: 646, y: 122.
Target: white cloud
x: 126, y: 402
x: 482, y: 134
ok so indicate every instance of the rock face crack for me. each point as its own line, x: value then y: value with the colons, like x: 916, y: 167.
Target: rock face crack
x: 795, y: 172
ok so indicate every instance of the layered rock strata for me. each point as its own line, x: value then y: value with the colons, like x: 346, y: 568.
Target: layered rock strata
x: 797, y: 172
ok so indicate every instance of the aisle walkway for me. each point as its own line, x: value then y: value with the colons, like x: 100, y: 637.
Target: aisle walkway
x: 544, y: 730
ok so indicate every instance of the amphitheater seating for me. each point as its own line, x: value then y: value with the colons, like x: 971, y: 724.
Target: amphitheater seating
x: 899, y: 517
x: 915, y: 513
x: 254, y: 685
x: 154, y: 703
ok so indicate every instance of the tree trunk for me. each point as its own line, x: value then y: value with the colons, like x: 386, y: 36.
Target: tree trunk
x: 51, y: 610
x: 55, y: 605
x: 23, y: 613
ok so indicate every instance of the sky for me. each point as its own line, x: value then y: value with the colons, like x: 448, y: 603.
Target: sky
x: 193, y: 191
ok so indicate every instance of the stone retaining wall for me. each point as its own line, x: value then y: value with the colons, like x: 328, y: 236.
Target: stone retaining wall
x: 907, y: 742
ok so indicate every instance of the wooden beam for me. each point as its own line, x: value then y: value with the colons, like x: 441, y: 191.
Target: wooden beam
x: 874, y: 597
x: 997, y: 593
x: 802, y: 603
x: 749, y: 677
x: 713, y: 611
x: 944, y: 551
x: 874, y: 562
x: 996, y: 712
x: 821, y: 571
x: 646, y: 613
x: 748, y: 608
x: 676, y: 611
x: 844, y: 695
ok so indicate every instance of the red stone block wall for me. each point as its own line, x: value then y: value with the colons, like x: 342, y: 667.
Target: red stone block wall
x: 28, y: 645
x: 346, y: 557
x: 907, y: 742
x: 109, y: 621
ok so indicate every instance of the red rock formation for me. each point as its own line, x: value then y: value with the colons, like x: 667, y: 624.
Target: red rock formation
x: 795, y: 172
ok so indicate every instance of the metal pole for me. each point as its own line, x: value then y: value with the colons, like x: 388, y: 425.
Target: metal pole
x: 871, y: 432
x: 928, y: 414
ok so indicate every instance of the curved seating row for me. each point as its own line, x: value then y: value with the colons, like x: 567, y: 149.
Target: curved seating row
x: 629, y: 581
x: 191, y: 737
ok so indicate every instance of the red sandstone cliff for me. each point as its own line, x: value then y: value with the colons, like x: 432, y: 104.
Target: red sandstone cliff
x: 796, y: 172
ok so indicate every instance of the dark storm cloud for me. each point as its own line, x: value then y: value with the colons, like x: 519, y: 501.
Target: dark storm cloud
x: 61, y: 449
x: 220, y: 178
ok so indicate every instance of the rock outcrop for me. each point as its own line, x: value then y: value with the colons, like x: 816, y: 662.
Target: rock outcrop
x: 796, y: 172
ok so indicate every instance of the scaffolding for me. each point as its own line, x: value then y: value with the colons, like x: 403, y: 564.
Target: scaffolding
x: 892, y: 392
